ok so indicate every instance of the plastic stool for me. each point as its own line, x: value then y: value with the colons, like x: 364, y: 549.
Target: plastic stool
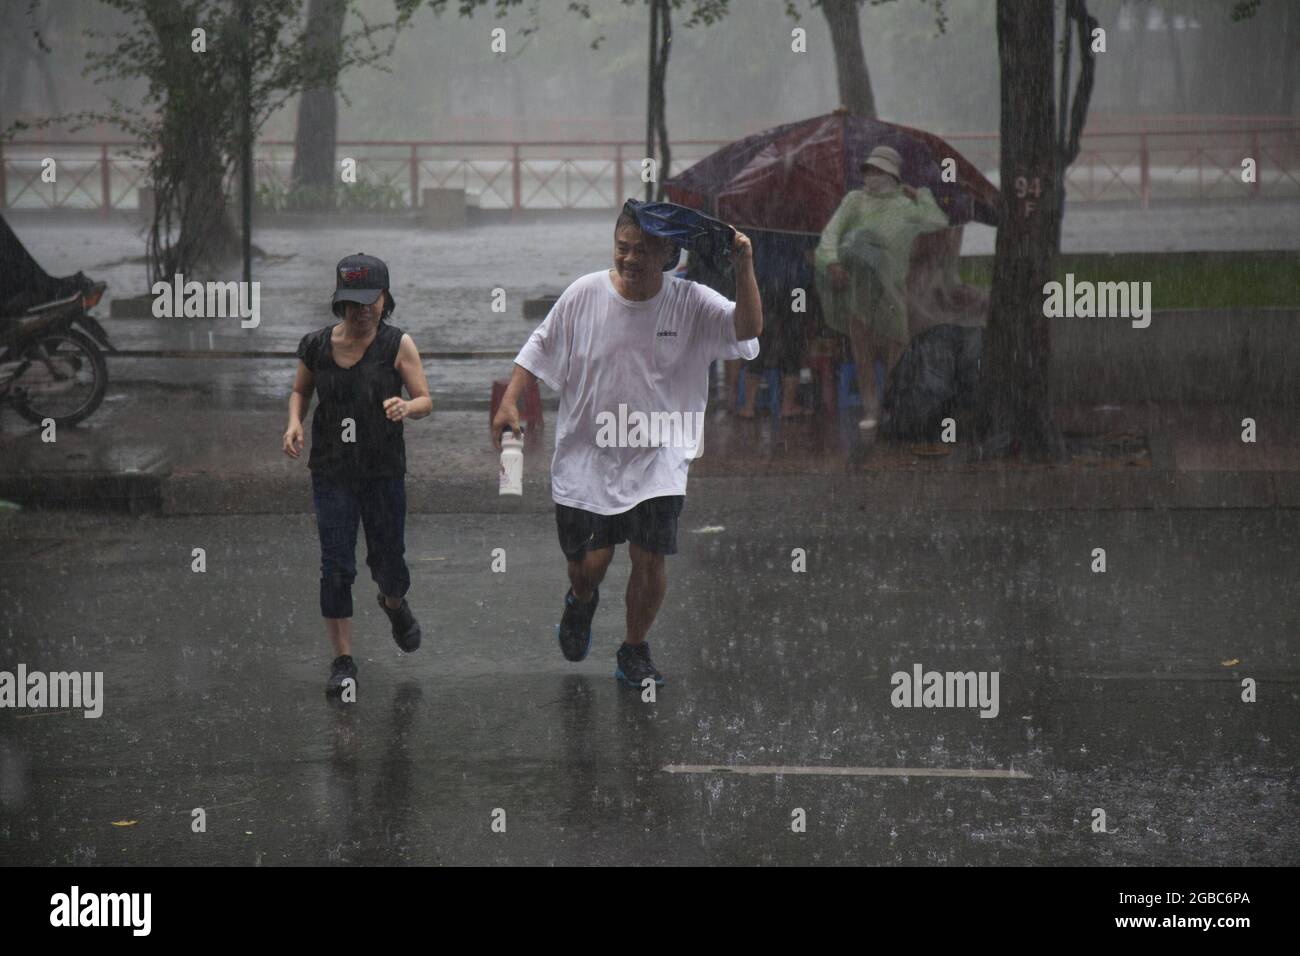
x: 530, y: 412
x: 772, y: 380
x: 848, y: 396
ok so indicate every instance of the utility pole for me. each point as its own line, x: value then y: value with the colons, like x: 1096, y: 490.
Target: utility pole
x: 651, y: 61
x: 246, y: 134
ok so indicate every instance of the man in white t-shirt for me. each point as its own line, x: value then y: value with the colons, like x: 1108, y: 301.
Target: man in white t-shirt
x: 629, y: 350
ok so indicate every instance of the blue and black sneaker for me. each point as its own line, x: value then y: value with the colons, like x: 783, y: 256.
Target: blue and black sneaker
x: 575, y: 626
x: 634, y: 665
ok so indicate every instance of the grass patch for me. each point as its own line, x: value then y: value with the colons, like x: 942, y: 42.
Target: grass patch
x: 1180, y: 280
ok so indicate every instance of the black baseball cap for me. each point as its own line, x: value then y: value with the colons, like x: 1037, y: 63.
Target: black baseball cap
x: 360, y: 278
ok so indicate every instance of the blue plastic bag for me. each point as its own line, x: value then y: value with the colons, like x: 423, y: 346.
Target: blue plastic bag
x: 685, y: 228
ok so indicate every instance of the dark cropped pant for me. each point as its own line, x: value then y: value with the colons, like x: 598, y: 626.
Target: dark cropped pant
x: 380, y: 505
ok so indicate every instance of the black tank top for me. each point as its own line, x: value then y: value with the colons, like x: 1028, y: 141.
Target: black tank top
x: 377, y: 448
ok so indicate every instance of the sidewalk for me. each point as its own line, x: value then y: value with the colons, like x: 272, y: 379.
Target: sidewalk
x: 188, y: 451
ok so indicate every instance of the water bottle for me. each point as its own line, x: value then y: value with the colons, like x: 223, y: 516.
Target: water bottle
x: 511, y: 477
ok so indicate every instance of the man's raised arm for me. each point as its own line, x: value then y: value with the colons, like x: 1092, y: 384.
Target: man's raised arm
x: 749, y: 306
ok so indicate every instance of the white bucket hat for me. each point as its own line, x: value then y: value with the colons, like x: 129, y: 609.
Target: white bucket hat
x: 887, y: 160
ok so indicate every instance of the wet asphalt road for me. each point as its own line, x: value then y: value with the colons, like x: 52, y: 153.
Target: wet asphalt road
x: 1114, y: 694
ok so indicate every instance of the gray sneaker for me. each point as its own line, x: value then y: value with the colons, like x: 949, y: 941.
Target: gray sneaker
x: 634, y: 665
x: 406, y: 629
x: 342, y: 668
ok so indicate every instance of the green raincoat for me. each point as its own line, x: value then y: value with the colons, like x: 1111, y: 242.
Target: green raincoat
x: 871, y: 236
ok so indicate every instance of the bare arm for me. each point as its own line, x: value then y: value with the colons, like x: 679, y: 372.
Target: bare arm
x: 299, y: 401
x: 508, y: 412
x: 411, y: 369
x: 749, y: 306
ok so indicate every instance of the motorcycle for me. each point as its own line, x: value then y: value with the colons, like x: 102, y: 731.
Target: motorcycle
x: 52, y: 349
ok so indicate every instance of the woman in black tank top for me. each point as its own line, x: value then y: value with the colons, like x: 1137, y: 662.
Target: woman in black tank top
x: 357, y: 369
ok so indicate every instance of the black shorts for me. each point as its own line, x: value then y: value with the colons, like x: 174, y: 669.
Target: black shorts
x: 651, y: 525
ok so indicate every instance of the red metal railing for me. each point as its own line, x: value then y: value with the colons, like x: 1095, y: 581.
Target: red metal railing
x: 1142, y: 165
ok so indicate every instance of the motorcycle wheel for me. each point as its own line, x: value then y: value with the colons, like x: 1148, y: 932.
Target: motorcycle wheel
x: 67, y: 352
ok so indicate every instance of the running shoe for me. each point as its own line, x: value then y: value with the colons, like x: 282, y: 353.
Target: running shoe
x: 406, y: 629
x: 342, y: 668
x: 634, y: 665
x: 575, y: 626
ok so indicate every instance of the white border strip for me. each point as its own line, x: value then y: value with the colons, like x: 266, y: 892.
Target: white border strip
x: 849, y: 772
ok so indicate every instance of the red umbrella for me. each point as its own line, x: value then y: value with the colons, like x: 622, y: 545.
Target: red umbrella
x: 792, y: 178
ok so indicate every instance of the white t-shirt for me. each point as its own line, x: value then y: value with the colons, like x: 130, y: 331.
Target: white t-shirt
x: 633, y: 379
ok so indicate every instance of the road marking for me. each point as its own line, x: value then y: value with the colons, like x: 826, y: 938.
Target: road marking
x: 849, y: 771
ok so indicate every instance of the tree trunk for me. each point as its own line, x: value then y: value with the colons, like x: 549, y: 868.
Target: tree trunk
x: 50, y: 30
x: 1289, y: 63
x: 318, y: 115
x: 661, y: 116
x: 1176, y: 61
x: 1072, y: 113
x: 1242, y: 56
x: 1206, y: 84
x: 15, y: 56
x: 13, y: 87
x: 1014, y: 415
x: 850, y: 64
x: 656, y: 124
x: 1141, y: 14
x: 652, y: 60
x: 192, y: 229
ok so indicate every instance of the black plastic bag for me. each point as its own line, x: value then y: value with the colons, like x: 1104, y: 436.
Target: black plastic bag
x: 937, y: 376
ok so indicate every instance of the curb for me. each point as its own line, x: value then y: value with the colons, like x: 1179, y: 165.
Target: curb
x: 889, y: 492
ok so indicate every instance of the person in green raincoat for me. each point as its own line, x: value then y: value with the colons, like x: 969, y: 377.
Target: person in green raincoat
x: 861, y: 267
